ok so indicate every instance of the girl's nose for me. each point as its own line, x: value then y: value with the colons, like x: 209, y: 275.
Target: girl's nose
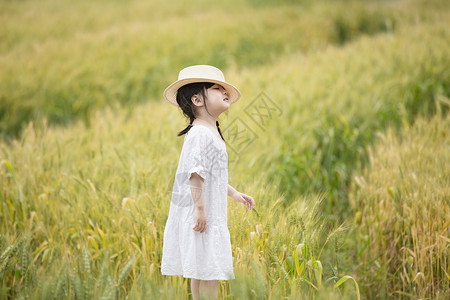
x: 225, y: 92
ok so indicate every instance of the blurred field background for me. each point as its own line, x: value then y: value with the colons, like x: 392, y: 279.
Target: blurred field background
x: 343, y: 143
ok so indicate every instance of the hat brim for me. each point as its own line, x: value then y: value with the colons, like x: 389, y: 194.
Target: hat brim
x: 170, y: 93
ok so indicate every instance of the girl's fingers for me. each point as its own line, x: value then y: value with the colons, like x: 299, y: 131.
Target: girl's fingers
x: 197, y: 226
x: 201, y: 227
x: 249, y: 201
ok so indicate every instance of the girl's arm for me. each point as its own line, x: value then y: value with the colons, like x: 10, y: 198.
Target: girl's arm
x: 231, y: 191
x: 241, y: 197
x: 197, y: 191
x: 196, y: 182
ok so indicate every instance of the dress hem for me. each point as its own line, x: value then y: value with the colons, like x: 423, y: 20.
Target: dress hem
x: 196, y: 277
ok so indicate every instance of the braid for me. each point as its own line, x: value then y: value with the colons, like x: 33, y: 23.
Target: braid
x: 218, y: 128
x: 184, y: 131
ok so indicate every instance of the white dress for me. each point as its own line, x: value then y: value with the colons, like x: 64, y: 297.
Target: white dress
x: 207, y: 255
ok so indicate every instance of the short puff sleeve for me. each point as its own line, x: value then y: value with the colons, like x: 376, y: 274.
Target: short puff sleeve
x: 196, y: 156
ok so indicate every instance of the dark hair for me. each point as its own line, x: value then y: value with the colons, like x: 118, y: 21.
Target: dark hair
x: 184, y: 95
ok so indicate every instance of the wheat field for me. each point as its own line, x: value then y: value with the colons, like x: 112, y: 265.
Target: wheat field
x: 343, y: 143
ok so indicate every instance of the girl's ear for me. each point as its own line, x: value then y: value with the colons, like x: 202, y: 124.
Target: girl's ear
x: 196, y: 100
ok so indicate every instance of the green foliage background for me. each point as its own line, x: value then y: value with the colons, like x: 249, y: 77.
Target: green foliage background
x: 88, y: 146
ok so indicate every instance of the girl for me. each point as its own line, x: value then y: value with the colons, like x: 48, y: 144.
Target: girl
x: 196, y: 237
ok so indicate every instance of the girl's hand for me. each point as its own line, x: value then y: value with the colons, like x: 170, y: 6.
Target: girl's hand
x: 200, y: 220
x: 245, y: 199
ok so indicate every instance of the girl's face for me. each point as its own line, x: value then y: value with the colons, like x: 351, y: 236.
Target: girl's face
x: 217, y: 99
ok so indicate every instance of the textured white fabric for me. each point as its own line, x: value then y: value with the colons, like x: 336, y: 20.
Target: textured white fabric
x: 207, y: 255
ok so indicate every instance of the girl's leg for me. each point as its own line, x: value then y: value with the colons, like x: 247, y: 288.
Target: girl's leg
x: 209, y: 289
x: 195, y: 288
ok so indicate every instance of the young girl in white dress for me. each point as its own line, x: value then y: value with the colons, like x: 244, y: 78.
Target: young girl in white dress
x: 196, y: 237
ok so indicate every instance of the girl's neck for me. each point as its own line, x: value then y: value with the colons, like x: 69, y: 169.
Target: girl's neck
x: 206, y: 122
x: 210, y: 125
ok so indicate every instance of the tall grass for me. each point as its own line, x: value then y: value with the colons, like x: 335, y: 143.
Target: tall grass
x: 96, y: 224
x: 83, y: 207
x: 402, y: 210
x: 95, y: 210
x: 62, y: 62
x: 337, y: 100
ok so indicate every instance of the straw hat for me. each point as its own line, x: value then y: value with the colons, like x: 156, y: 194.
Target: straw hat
x: 200, y: 73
